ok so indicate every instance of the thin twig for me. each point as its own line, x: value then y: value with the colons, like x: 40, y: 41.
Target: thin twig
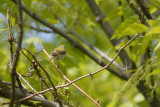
x: 41, y: 92
x: 134, y: 8
x: 11, y: 38
x: 38, y: 93
x: 28, y: 84
x: 57, y: 17
x: 40, y: 30
x: 92, y: 85
x: 35, y: 68
x: 108, y: 65
x: 4, y: 61
x: 55, y: 90
x: 70, y: 80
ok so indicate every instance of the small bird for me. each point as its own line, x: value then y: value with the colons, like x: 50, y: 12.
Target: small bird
x: 58, y: 53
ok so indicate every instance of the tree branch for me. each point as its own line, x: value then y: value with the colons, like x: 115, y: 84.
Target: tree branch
x: 134, y: 9
x: 40, y: 30
x: 144, y: 89
x: 5, y: 92
x: 99, y: 16
x: 16, y: 55
x: 144, y: 9
x: 55, y: 90
x: 67, y: 79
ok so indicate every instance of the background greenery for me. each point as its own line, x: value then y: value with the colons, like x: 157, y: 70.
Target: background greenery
x: 77, y: 15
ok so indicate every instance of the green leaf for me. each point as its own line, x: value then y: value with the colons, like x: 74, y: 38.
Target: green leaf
x: 154, y: 27
x: 145, y: 43
x: 150, y: 22
x: 155, y: 71
x: 154, y: 30
x: 156, y: 2
x: 152, y: 9
x: 130, y: 26
x: 114, y: 14
x: 98, y: 1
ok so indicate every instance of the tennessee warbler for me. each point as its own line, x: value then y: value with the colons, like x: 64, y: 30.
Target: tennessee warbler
x: 58, y: 53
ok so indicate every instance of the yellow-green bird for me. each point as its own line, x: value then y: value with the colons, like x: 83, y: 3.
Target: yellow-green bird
x: 58, y: 53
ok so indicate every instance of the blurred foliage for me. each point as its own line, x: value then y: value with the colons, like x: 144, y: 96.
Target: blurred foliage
x: 77, y: 16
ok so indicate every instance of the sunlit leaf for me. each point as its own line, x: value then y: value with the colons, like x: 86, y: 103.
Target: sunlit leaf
x: 150, y: 22
x: 98, y: 1
x: 3, y: 29
x: 155, y: 71
x: 152, y: 8
x: 130, y: 26
x: 155, y: 26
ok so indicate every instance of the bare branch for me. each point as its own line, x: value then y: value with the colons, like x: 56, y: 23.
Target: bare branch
x: 35, y: 66
x: 55, y: 90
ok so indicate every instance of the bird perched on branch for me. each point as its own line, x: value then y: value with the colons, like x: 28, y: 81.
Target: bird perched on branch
x: 58, y: 53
